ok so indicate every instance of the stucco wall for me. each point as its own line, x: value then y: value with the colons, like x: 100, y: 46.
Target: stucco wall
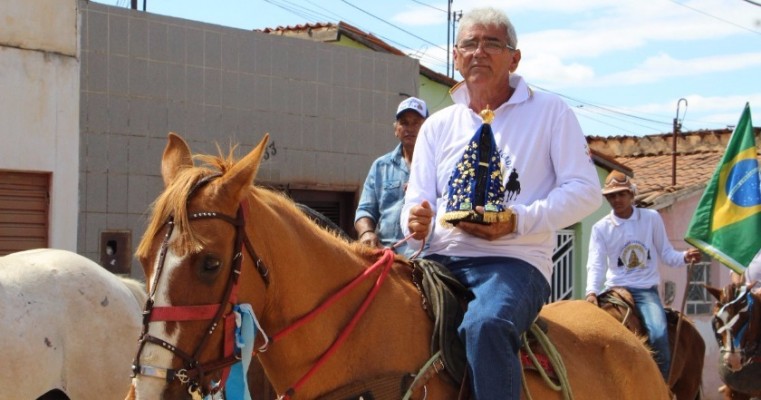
x: 39, y: 105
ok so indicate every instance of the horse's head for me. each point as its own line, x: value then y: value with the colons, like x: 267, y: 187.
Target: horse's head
x: 732, y: 316
x: 193, y: 252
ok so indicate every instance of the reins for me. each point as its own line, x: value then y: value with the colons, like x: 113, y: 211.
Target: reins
x: 193, y: 371
x: 384, y: 264
x: 735, y: 341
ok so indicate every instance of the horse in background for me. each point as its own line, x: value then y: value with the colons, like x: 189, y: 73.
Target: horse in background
x: 68, y: 327
x: 687, y: 361
x: 736, y: 320
x: 343, y: 320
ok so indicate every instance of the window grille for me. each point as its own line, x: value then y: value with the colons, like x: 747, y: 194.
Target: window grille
x: 698, y: 300
x: 562, y: 271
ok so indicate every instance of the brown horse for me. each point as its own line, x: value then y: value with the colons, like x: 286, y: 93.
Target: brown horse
x: 736, y: 318
x: 687, y: 361
x: 211, y: 225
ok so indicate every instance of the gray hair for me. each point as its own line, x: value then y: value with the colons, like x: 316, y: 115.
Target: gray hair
x: 489, y: 16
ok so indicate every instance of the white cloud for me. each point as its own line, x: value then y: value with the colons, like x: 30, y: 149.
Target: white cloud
x: 549, y: 70
x: 419, y: 16
x: 702, y: 112
x: 663, y: 66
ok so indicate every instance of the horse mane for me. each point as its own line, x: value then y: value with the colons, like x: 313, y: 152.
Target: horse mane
x: 293, y: 214
x: 172, y: 203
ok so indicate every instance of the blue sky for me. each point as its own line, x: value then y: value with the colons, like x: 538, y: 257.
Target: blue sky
x: 622, y: 65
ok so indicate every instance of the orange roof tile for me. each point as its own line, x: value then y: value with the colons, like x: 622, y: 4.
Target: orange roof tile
x: 368, y: 39
x: 650, y: 158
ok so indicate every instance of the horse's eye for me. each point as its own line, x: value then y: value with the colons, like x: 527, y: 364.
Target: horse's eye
x: 211, y: 264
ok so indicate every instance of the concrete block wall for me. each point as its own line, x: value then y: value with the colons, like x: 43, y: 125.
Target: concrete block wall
x: 329, y: 109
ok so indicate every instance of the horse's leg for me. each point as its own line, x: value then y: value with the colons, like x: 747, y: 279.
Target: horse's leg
x: 687, y: 378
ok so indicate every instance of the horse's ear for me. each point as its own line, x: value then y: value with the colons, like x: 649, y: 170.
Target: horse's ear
x: 715, y: 292
x: 242, y: 174
x: 176, y: 156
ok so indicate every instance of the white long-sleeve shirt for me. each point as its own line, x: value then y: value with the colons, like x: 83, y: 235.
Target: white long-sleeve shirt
x: 627, y: 252
x: 538, y: 136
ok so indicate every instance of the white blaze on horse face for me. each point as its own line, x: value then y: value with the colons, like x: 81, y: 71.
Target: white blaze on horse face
x: 148, y: 387
x: 731, y: 355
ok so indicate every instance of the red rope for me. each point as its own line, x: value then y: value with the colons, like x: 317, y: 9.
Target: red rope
x: 386, y: 261
x: 387, y: 257
x: 407, y: 238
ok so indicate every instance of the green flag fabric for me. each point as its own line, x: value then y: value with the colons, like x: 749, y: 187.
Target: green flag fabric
x: 727, y: 221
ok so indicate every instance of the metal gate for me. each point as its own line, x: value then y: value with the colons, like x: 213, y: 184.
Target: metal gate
x: 562, y: 260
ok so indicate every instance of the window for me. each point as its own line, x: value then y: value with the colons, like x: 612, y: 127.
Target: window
x: 698, y: 299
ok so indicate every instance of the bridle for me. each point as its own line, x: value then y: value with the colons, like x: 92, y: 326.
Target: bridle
x: 734, y: 327
x: 193, y: 372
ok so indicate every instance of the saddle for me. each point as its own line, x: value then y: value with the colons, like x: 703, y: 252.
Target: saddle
x: 621, y: 297
x: 445, y: 301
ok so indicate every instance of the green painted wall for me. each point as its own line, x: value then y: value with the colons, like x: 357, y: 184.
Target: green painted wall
x: 583, y: 232
x: 435, y: 94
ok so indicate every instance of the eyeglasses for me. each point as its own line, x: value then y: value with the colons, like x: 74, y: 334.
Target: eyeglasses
x: 492, y: 47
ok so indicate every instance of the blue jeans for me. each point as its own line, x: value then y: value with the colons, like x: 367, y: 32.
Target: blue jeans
x: 648, y: 305
x: 508, y: 296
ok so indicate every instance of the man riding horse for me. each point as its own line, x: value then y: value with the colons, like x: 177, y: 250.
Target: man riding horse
x: 628, y: 243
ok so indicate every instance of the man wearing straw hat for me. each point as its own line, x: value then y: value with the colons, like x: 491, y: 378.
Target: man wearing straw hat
x: 624, y: 251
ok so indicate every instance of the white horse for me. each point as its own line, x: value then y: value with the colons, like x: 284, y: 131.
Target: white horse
x: 68, y: 327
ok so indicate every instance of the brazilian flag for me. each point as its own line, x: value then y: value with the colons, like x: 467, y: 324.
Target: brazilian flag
x: 727, y: 222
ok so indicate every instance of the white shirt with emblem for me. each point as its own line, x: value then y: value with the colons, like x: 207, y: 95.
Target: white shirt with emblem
x: 627, y: 252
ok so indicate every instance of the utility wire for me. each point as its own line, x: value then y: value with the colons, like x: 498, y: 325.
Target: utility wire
x: 307, y: 15
x: 599, y: 121
x: 335, y: 16
x: 388, y: 23
x: 585, y: 110
x: 717, y: 18
x: 311, y: 14
x: 436, y: 8
x: 611, y: 110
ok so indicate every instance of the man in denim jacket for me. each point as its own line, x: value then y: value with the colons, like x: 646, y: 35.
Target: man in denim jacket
x: 377, y: 216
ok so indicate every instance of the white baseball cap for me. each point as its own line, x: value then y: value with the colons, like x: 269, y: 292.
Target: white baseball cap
x: 412, y: 103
